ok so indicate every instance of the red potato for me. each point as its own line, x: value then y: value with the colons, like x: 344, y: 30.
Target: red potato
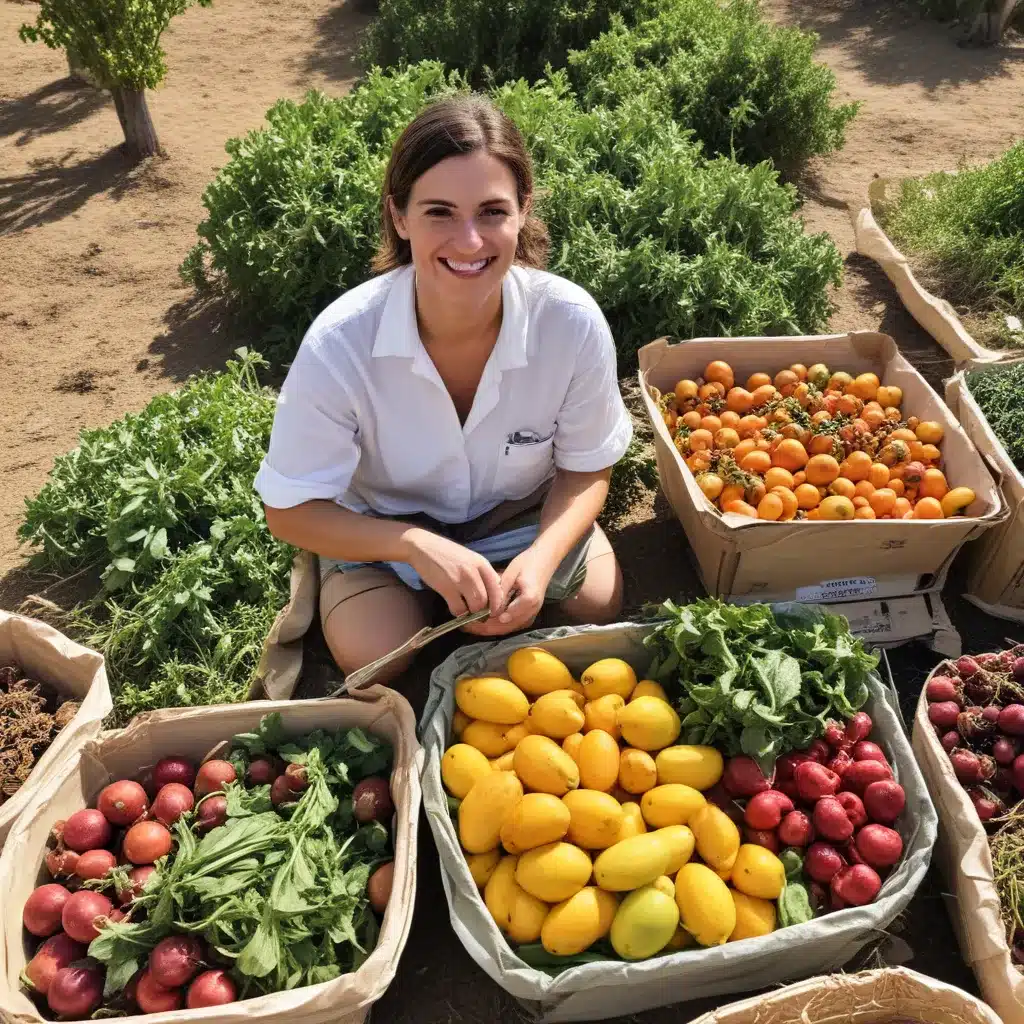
x: 214, y: 776
x: 122, y: 803
x: 87, y: 829
x: 944, y: 714
x: 856, y: 885
x: 762, y: 837
x: 814, y: 781
x: 839, y: 763
x: 44, y: 910
x: 378, y: 888
x: 62, y: 863
x: 371, y: 800
x: 211, y: 988
x: 95, y: 864
x: 881, y: 847
x: 861, y: 774
x: 765, y: 810
x: 171, y: 803
x: 786, y: 766
x: 823, y: 862
x: 884, y: 801
x: 859, y: 727
x: 154, y: 998
x: 56, y: 953
x: 796, y: 829
x: 175, y: 960
x: 75, y: 993
x: 854, y: 807
x: 831, y: 820
x: 942, y: 688
x: 174, y: 769
x: 1011, y: 720
x: 865, y: 750
x: 83, y: 911
x: 146, y: 842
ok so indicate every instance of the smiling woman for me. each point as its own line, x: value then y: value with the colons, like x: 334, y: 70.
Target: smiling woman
x: 447, y: 429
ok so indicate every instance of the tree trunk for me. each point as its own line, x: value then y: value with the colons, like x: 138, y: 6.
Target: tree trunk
x: 77, y: 70
x: 990, y: 23
x: 133, y: 113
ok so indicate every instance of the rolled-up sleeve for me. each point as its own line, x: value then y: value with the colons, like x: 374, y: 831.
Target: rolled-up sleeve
x: 313, y: 449
x: 594, y: 428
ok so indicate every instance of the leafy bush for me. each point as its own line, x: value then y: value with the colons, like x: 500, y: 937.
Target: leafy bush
x: 490, y: 42
x: 998, y: 390
x: 966, y: 230
x: 745, y: 87
x: 666, y: 241
x: 163, y: 501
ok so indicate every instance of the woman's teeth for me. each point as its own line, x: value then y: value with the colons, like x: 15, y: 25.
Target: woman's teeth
x: 466, y: 268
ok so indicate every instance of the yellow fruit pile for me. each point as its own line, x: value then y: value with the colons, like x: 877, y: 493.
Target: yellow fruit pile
x: 809, y: 444
x: 581, y: 819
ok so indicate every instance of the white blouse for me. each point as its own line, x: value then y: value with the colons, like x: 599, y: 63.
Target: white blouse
x: 364, y: 418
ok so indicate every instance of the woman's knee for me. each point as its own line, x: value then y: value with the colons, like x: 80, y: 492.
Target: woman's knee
x: 600, y: 599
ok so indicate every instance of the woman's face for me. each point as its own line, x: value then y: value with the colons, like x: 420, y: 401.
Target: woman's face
x: 462, y: 224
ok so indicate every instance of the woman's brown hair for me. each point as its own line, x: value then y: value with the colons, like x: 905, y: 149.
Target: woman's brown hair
x: 450, y: 127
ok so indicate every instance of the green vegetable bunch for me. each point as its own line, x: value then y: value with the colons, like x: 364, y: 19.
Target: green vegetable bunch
x: 758, y: 680
x: 282, y: 896
x: 998, y: 391
x: 162, y: 502
x: 745, y: 87
x: 666, y: 241
x: 966, y: 230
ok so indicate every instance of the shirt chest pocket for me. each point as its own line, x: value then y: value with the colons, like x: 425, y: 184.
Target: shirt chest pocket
x: 525, y: 461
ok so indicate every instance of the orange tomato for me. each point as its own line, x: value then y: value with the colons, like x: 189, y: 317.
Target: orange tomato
x: 778, y: 477
x: 802, y: 393
x: 796, y: 433
x: 763, y: 395
x: 756, y: 490
x: 867, y: 512
x: 873, y: 418
x: 757, y: 380
x: 770, y: 507
x: 878, y: 474
x: 711, y: 423
x: 692, y: 420
x: 711, y: 390
x: 756, y: 462
x: 856, y: 466
x: 821, y: 416
x: 726, y: 437
x: 890, y: 396
x: 929, y: 432
x: 913, y: 473
x: 799, y: 478
x: 699, y: 462
x: 928, y: 508
x: 882, y: 501
x: 837, y: 507
x: 839, y: 381
x: 930, y: 453
x: 790, y: 455
x: 741, y: 508
x: 701, y: 440
x: 892, y: 414
x: 865, y: 386
x: 720, y: 373
x: 814, y: 514
x: 916, y: 451
x: 800, y: 370
x: 807, y: 496
x: 860, y: 501
x: 849, y: 405
x: 842, y: 487
x: 744, y: 448
x: 711, y: 484
x: 729, y: 418
x: 901, y: 508
x: 903, y: 434
x: 789, y: 502
x: 748, y: 425
x: 786, y: 382
x: 686, y: 391
x: 822, y: 444
x: 864, y: 489
x: 897, y: 487
x: 821, y: 470
x: 731, y: 492
x: 913, y: 423
x: 763, y: 444
x: 933, y: 484
x: 738, y: 400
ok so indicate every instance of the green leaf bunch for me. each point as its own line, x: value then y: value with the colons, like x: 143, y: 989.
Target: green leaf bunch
x: 998, y: 391
x: 161, y: 502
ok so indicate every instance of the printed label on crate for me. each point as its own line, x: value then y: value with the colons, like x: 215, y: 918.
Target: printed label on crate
x: 839, y: 590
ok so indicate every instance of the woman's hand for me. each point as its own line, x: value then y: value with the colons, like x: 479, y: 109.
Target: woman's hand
x: 466, y: 580
x: 527, y: 576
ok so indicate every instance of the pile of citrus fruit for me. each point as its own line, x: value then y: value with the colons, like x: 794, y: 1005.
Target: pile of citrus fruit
x: 809, y: 444
x: 582, y: 820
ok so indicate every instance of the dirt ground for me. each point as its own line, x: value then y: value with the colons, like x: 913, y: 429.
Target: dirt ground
x: 94, y: 321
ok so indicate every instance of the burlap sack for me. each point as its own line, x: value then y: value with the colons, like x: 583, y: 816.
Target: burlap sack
x: 597, y: 991
x: 75, y: 671
x: 193, y: 732
x: 962, y: 853
x: 870, y: 997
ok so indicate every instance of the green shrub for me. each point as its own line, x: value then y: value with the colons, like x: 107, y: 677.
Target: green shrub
x: 163, y: 501
x: 490, y: 42
x: 745, y: 87
x: 666, y: 241
x: 966, y: 231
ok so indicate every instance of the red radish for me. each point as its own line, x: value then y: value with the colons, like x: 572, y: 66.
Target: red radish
x: 1002, y: 781
x: 95, y: 864
x: 146, y: 780
x: 839, y: 763
x: 75, y: 993
x: 139, y: 877
x: 861, y: 774
x: 950, y: 741
x: 986, y: 660
x: 122, y: 803
x: 171, y: 803
x: 212, y: 988
x: 865, y: 750
x: 146, y: 842
x: 174, y: 961
x: 765, y: 810
x: 174, y: 769
x: 850, y: 852
x: 986, y: 804
x: 973, y: 724
x: 1017, y: 669
x: 61, y: 863
x: 44, y: 909
x: 1011, y: 719
x: 297, y: 777
x: 967, y: 666
x: 261, y: 772
x: 944, y: 714
x: 154, y: 998
x: 788, y: 786
x: 813, y: 781
x: 743, y: 778
x: 966, y: 764
x: 116, y: 915
x: 785, y: 766
x: 818, y: 751
x: 796, y: 829
x: 55, y: 953
x: 854, y: 808
x: 214, y: 776
x: 884, y: 801
x: 81, y: 912
x: 822, y: 862
x: 212, y: 812
x: 378, y: 888
x: 856, y: 885
x: 87, y: 829
x: 831, y: 820
x: 941, y: 688
x: 859, y: 727
x: 1018, y: 773
x: 880, y: 847
x: 280, y: 791
x: 371, y: 800
x: 834, y: 734
x: 991, y: 713
x: 762, y: 837
x: 818, y: 895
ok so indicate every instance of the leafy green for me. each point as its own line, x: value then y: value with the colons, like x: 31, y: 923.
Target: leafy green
x: 280, y: 894
x: 757, y: 681
x: 966, y: 232
x: 998, y: 390
x: 163, y: 502
x: 795, y: 904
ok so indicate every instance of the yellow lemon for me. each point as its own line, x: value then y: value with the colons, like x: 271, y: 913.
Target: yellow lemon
x: 609, y: 675
x: 758, y: 872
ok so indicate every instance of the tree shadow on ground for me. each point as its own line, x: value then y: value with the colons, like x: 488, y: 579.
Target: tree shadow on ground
x: 51, y: 108
x: 53, y: 189
x: 339, y: 33
x: 893, y: 44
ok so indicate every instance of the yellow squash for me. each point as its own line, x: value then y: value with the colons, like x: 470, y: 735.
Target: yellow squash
x: 482, y: 865
x: 648, y: 723
x: 706, y: 909
x: 554, y: 872
x: 577, y: 923
x: 557, y: 714
x: 595, y: 818
x: 680, y: 841
x: 637, y: 771
x: 644, y: 923
x: 490, y: 699
x: 696, y: 766
x: 491, y: 739
x: 718, y: 838
x: 544, y: 766
x: 754, y: 916
x: 500, y: 891
x: 598, y: 760
x: 649, y: 688
x: 485, y: 808
x: 602, y: 713
x: 758, y: 872
x: 671, y: 804
x: 632, y: 862
x: 537, y: 819
x: 633, y: 823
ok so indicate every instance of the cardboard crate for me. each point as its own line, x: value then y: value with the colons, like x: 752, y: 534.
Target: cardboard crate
x: 995, y: 562
x: 742, y: 559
